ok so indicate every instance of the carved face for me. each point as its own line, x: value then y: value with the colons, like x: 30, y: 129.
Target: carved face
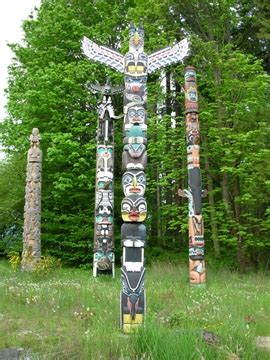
x: 134, y: 182
x: 133, y: 208
x: 193, y: 129
x: 104, y: 166
x: 104, y: 219
x: 136, y: 115
x: 193, y: 156
x: 196, y: 253
x: 190, y: 75
x: 104, y: 207
x: 104, y: 230
x: 136, y: 65
x: 104, y: 202
x: 135, y: 146
x: 104, y: 152
x: 35, y: 137
x: 135, y: 89
x: 192, y: 95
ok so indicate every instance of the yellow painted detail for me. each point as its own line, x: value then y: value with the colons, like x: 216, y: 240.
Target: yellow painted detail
x: 131, y: 68
x: 130, y: 325
x: 135, y: 69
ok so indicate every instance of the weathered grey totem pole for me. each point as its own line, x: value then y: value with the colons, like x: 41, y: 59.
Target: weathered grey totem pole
x: 135, y: 65
x: 32, y: 209
x: 103, y: 261
x: 194, y: 192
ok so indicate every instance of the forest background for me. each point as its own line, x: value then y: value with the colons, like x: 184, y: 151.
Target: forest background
x: 46, y: 89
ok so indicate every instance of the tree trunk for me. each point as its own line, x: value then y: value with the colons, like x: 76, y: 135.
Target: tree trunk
x: 241, y: 258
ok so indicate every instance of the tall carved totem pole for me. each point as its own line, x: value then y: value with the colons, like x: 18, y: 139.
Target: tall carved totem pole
x: 194, y: 192
x: 32, y: 209
x: 135, y: 65
x: 103, y: 261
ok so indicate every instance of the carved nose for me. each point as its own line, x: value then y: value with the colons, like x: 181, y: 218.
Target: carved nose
x: 135, y: 88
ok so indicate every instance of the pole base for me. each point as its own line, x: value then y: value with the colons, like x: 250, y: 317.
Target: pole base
x: 130, y: 325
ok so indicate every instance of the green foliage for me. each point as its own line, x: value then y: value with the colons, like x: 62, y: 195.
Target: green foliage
x: 47, y: 90
x: 46, y: 265
x: 14, y: 259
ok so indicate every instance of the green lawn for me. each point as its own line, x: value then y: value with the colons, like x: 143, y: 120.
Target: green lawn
x: 70, y: 315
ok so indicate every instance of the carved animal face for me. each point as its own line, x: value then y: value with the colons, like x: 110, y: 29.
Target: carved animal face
x: 104, y: 202
x: 133, y: 208
x: 135, y: 146
x: 134, y: 182
x: 136, y: 64
x: 104, y: 152
x: 136, y: 38
x: 193, y: 129
x: 135, y: 89
x: 104, y: 207
x: 104, y: 165
x: 190, y: 75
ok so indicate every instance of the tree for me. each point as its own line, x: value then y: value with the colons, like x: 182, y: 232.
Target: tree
x: 47, y: 90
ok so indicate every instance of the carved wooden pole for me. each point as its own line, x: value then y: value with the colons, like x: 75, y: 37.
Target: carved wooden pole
x: 103, y: 261
x: 134, y: 160
x: 194, y: 192
x: 32, y: 209
x: 135, y: 65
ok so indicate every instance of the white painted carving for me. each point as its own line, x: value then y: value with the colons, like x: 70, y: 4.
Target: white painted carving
x: 103, y: 54
x: 168, y: 56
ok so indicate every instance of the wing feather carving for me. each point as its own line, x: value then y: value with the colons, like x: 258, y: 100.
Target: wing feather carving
x: 168, y: 56
x: 103, y: 54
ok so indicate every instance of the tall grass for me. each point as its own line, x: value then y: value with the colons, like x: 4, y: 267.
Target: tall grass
x: 70, y: 315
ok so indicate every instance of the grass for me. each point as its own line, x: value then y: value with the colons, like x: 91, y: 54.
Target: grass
x: 70, y: 315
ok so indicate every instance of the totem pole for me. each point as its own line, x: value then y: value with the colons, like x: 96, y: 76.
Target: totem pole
x: 103, y: 261
x: 31, y: 231
x: 135, y: 65
x: 194, y: 192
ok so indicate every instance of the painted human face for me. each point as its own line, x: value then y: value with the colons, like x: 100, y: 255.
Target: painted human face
x: 134, y: 182
x: 136, y: 115
x: 133, y: 208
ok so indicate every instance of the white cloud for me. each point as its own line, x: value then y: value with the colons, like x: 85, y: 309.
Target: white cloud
x: 12, y: 13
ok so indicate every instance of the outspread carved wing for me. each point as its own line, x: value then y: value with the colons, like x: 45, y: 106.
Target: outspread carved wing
x: 168, y: 56
x: 103, y: 54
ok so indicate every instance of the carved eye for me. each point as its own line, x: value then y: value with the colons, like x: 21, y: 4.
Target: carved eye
x: 132, y: 112
x: 127, y: 179
x: 141, y: 179
x: 126, y: 207
x: 141, y: 113
x: 142, y: 80
x: 141, y: 207
x: 140, y: 33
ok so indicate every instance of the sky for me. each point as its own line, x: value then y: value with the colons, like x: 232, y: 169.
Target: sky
x: 12, y: 13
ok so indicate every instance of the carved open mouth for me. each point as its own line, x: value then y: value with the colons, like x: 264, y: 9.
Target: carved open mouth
x: 134, y: 216
x: 134, y: 190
